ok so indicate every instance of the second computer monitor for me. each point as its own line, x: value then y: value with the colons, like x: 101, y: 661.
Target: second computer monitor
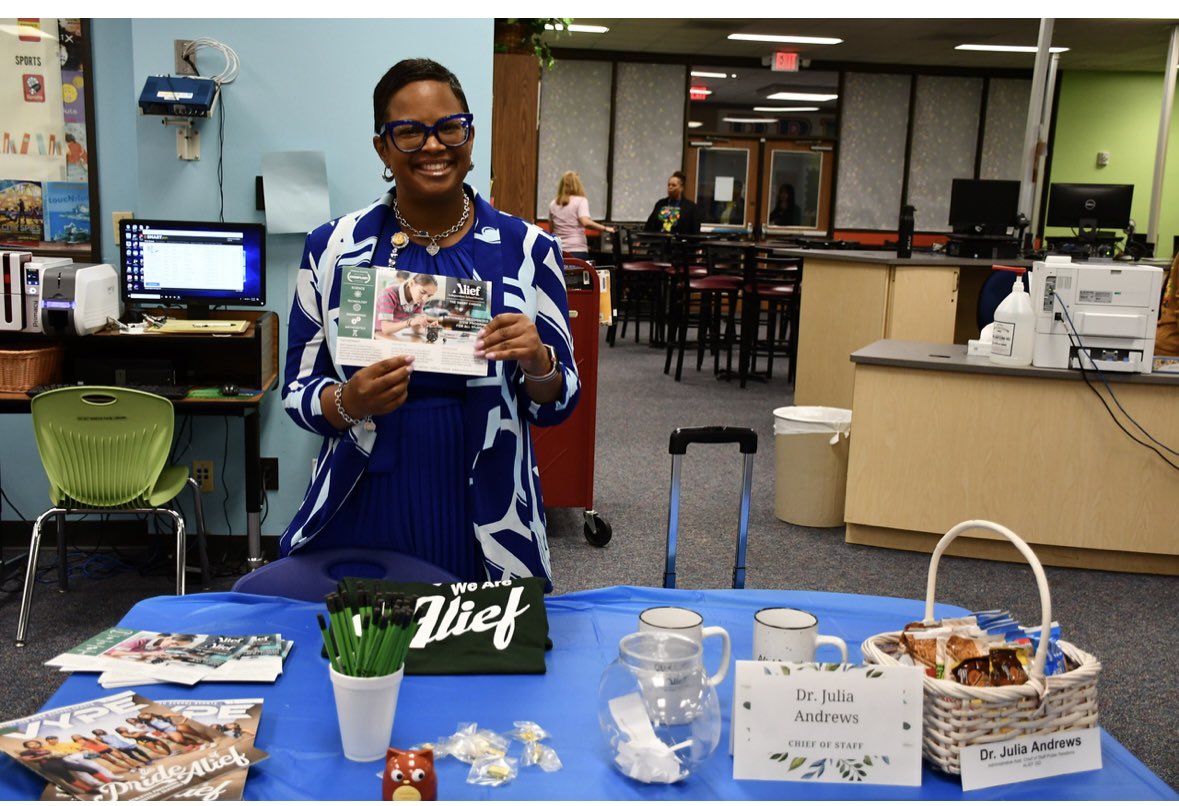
x: 983, y: 206
x: 1089, y: 207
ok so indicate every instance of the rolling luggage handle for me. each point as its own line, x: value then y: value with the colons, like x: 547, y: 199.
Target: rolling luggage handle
x: 681, y: 438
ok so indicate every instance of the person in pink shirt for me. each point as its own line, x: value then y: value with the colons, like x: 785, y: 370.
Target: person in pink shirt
x: 569, y: 214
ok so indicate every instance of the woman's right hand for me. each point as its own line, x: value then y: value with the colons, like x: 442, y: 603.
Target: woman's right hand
x: 378, y: 388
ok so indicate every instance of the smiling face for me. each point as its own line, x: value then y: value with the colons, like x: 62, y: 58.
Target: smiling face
x: 434, y: 172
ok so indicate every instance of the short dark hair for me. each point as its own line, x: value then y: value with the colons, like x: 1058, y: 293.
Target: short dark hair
x: 405, y: 72
x: 680, y: 176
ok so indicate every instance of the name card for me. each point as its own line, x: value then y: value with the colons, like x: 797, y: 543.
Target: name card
x: 827, y: 723
x: 1030, y: 757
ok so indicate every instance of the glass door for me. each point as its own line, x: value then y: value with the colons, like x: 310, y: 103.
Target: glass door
x: 719, y: 177
x: 796, y: 189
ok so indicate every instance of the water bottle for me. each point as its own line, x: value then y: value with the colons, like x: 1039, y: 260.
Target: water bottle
x: 905, y: 231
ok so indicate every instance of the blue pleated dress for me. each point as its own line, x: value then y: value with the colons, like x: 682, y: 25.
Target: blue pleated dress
x: 412, y: 498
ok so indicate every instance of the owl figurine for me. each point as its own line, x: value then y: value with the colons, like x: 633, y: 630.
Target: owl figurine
x: 409, y: 775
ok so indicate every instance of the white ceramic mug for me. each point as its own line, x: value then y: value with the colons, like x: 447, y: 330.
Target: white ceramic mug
x: 787, y: 634
x: 682, y: 621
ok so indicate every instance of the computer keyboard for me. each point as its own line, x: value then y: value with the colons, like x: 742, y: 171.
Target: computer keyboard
x: 169, y: 391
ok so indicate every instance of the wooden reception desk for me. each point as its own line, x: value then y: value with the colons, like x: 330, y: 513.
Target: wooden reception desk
x: 939, y: 437
x: 853, y: 298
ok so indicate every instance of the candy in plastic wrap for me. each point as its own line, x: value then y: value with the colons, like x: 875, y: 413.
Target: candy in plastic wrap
x: 492, y: 771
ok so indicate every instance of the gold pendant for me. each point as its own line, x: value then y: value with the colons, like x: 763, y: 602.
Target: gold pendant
x: 399, y: 240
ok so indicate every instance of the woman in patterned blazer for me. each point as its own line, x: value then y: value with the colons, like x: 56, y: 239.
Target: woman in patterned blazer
x: 435, y: 465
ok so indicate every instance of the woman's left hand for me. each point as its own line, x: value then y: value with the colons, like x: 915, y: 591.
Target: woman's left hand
x: 513, y: 336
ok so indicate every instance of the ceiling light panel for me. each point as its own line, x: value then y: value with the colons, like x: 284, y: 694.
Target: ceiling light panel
x: 785, y: 109
x: 1008, y: 48
x: 813, y: 97
x: 706, y: 74
x: 791, y: 40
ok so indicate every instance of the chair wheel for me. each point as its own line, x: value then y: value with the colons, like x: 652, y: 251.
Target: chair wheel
x: 597, y: 530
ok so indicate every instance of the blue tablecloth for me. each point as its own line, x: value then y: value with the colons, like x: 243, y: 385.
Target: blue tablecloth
x: 299, y: 729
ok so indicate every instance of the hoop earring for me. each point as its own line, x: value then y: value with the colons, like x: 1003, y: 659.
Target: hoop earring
x: 387, y: 174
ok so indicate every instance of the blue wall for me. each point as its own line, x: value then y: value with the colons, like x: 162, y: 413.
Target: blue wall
x: 302, y: 85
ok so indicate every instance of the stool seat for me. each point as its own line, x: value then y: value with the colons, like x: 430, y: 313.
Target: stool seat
x: 310, y: 575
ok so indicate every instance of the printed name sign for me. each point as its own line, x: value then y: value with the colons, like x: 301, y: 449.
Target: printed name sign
x: 827, y: 722
x: 1030, y: 757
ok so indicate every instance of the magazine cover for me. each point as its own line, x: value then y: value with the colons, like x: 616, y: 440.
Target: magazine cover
x: 124, y: 747
x: 237, y: 719
x: 385, y: 312
x: 20, y: 210
x: 171, y: 657
x: 67, y: 212
x: 260, y: 661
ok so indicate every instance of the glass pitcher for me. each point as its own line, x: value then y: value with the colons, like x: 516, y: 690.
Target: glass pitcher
x: 656, y: 707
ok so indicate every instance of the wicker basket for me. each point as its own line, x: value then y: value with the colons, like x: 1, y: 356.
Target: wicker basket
x: 22, y: 368
x: 957, y: 716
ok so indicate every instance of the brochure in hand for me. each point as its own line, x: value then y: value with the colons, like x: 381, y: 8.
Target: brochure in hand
x: 127, y: 747
x: 432, y: 317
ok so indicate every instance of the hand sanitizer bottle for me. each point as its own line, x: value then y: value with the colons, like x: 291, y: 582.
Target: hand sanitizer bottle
x: 1014, y: 332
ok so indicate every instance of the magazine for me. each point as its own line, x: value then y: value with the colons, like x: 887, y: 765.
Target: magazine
x: 169, y: 657
x: 20, y: 210
x: 125, y: 747
x: 434, y: 318
x: 237, y: 719
x: 67, y: 212
x: 260, y: 661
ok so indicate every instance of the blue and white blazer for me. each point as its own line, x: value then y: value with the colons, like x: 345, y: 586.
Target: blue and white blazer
x: 524, y: 266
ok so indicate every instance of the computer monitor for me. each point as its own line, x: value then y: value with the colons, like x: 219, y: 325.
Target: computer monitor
x: 984, y: 206
x: 197, y: 264
x: 1086, y: 208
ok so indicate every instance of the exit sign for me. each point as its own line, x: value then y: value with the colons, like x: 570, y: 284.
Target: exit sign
x: 785, y: 62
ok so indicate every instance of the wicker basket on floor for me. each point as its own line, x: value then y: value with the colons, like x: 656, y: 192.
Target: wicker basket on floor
x: 23, y: 367
x: 956, y: 716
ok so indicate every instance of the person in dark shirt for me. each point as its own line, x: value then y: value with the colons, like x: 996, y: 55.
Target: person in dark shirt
x: 674, y: 213
x: 786, y: 212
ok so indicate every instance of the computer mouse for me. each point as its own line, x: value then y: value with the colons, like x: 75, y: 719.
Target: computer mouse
x: 229, y: 390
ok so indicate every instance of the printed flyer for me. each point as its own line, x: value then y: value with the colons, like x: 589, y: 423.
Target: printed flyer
x: 434, y: 318
x: 126, y: 747
x: 169, y: 657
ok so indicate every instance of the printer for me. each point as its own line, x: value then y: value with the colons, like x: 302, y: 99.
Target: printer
x: 78, y: 298
x: 20, y: 305
x: 1094, y: 314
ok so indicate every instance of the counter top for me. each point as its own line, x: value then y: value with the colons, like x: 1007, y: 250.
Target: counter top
x: 953, y: 358
x: 890, y: 258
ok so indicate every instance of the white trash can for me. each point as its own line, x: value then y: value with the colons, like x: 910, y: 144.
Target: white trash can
x: 810, y: 464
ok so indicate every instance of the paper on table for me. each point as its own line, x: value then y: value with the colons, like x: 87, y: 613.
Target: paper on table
x: 295, y: 187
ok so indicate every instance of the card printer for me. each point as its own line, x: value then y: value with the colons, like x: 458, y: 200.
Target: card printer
x: 56, y: 296
x: 1095, y: 314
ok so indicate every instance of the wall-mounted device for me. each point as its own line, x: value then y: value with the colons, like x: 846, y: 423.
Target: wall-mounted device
x: 179, y: 96
x: 1095, y: 314
x: 180, y: 100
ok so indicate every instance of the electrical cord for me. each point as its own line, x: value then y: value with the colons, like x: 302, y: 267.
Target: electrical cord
x: 221, y: 163
x: 227, y: 75
x: 1083, y: 352
x: 224, y: 483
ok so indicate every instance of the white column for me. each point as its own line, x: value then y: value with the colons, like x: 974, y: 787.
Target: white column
x: 1041, y: 149
x: 1031, y: 137
x: 1160, y: 154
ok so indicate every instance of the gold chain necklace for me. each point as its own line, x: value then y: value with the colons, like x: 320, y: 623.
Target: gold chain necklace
x: 433, y: 247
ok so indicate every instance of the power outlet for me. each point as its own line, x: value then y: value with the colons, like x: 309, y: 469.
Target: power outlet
x: 269, y: 473
x: 183, y: 68
x: 202, y: 471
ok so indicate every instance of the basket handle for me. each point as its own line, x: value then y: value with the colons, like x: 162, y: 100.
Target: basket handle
x: 1037, y: 569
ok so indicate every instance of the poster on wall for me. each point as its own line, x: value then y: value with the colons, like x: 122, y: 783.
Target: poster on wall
x: 45, y: 190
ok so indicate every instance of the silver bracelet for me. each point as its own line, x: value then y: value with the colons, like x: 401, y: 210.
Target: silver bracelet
x: 338, y: 394
x: 548, y: 376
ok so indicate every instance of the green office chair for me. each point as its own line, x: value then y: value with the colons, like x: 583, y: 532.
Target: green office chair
x: 105, y: 449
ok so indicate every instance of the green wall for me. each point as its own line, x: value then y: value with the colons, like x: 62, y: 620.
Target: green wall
x: 1118, y: 113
